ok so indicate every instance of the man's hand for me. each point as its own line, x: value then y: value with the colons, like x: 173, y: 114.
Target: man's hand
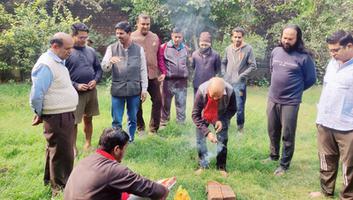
x: 143, y: 96
x: 114, y: 59
x: 92, y: 84
x: 82, y: 87
x: 218, y: 126
x: 211, y: 137
x: 36, y: 120
x: 161, y: 78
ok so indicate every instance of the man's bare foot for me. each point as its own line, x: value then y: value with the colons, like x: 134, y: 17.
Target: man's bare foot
x: 224, y: 173
x: 87, y: 146
x: 314, y: 195
x: 199, y: 171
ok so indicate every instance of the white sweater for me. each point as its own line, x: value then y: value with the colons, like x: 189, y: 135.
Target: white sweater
x: 61, y: 96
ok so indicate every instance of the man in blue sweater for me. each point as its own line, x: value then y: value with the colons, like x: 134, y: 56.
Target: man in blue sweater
x: 292, y: 71
x: 85, y: 71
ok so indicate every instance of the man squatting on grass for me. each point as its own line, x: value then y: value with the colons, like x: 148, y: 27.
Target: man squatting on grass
x: 127, y: 61
x: 85, y: 72
x: 101, y: 176
x: 292, y: 71
x: 156, y: 71
x: 237, y: 64
x: 54, y: 99
x: 335, y: 118
x: 214, y: 104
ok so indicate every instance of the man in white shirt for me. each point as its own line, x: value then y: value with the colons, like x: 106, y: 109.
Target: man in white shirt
x: 335, y: 118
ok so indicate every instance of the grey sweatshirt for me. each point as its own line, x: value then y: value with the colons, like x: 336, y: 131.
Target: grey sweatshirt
x: 237, y: 64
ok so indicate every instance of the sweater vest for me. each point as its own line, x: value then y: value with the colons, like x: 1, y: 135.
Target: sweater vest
x: 150, y: 44
x: 126, y: 76
x: 175, y: 61
x: 61, y: 96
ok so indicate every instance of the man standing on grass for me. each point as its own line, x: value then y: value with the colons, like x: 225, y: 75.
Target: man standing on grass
x: 335, y: 118
x: 102, y: 176
x: 292, y: 71
x: 54, y: 99
x: 127, y: 61
x: 156, y: 71
x: 175, y: 84
x: 85, y: 72
x: 238, y: 62
x: 205, y: 61
x: 215, y: 104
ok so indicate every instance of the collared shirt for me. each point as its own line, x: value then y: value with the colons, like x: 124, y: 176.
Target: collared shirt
x: 42, y: 79
x: 335, y: 108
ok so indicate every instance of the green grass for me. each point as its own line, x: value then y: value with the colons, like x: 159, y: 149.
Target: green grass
x: 172, y: 153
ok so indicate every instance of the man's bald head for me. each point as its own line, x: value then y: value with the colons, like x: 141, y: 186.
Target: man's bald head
x: 61, y: 44
x: 216, y: 88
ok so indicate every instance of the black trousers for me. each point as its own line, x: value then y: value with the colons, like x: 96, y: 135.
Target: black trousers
x: 282, y: 124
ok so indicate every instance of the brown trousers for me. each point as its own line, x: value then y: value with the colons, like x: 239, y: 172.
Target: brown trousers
x: 59, y: 132
x: 333, y: 145
x: 156, y: 98
x: 282, y: 123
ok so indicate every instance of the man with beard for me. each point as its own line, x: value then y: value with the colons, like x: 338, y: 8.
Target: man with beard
x: 237, y: 64
x: 205, y: 61
x: 155, y: 68
x: 127, y: 61
x: 292, y: 71
x: 85, y: 72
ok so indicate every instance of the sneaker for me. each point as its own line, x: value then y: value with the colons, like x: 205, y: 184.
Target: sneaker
x: 162, y: 126
x: 152, y: 133
x: 280, y: 171
x: 223, y: 173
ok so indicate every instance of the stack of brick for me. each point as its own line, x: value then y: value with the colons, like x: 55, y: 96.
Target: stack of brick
x: 218, y: 191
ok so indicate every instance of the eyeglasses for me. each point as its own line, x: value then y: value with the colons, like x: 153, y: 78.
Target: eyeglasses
x: 335, y: 50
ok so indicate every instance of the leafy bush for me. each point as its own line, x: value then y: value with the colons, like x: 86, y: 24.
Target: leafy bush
x: 30, y: 28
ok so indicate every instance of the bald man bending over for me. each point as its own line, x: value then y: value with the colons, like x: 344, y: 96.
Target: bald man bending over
x: 53, y: 100
x: 214, y: 104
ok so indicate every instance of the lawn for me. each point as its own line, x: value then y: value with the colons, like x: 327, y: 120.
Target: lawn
x: 171, y: 153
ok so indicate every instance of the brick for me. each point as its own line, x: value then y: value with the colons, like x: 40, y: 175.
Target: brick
x: 217, y: 191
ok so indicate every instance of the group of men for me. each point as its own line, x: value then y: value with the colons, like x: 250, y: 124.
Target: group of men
x: 64, y: 92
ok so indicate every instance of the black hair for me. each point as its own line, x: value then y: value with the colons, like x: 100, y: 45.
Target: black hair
x: 299, y: 44
x: 176, y: 30
x: 75, y: 28
x: 112, y: 137
x: 124, y: 25
x: 342, y: 37
x: 239, y: 30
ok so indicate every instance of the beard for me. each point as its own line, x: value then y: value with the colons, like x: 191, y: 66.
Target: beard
x: 287, y: 47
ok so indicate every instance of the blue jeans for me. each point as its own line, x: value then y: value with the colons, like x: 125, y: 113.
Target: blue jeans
x: 240, y: 95
x: 118, y: 106
x: 203, y: 153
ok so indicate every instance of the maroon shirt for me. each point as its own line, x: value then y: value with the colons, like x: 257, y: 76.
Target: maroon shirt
x: 97, y: 177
